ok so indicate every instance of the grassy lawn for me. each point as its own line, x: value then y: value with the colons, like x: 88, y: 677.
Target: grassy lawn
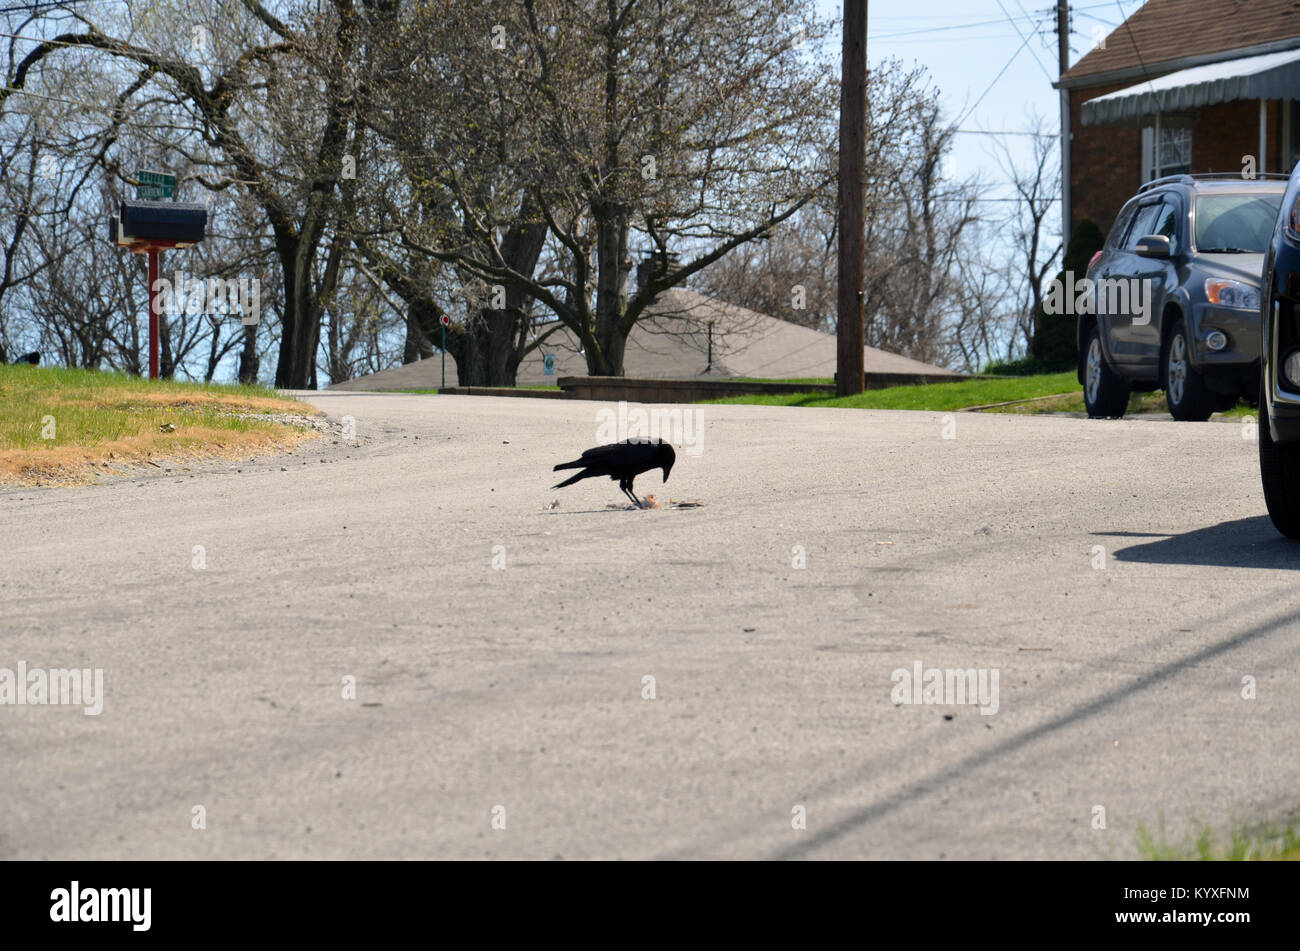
x: 1137, y: 403
x: 68, y: 426
x: 1240, y: 845
x: 1051, y: 393
x: 929, y: 396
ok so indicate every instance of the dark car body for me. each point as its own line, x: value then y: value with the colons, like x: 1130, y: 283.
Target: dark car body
x: 1280, y: 333
x: 1279, y: 398
x: 1136, y: 351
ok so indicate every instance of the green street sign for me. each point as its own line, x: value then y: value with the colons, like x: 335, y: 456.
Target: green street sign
x: 155, y: 186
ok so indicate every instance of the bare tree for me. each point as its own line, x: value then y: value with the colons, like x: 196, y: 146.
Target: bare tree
x: 1036, y: 181
x: 791, y: 274
x: 268, y: 109
x: 694, y: 128
x: 917, y: 219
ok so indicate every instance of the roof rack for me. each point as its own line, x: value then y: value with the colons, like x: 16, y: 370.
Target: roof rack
x: 1210, y: 176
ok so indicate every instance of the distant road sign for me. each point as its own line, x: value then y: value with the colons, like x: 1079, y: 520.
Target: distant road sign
x: 155, y: 186
x: 446, y: 321
x: 548, y: 364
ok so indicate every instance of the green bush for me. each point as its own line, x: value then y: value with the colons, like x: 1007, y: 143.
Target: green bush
x: 1025, y: 366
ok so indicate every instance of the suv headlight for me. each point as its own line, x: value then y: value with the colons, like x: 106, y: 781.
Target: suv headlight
x: 1234, y: 294
x: 1293, y: 220
x: 1291, y: 369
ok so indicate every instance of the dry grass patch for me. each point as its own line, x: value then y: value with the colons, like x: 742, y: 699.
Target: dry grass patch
x: 71, y: 427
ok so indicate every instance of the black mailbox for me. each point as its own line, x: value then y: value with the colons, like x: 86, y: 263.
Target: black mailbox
x: 178, y: 223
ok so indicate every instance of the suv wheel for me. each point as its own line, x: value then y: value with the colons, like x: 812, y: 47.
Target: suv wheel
x: 1186, y: 394
x: 1105, y: 393
x: 1279, y: 466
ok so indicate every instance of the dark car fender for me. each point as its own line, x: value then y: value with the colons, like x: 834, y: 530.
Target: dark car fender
x: 1282, y: 262
x: 1083, y: 323
x: 1182, y: 310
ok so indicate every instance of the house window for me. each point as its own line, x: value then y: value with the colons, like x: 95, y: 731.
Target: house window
x: 1174, y: 156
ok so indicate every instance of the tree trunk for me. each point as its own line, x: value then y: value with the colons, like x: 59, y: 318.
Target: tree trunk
x: 421, y: 332
x: 249, y: 361
x: 613, y: 269
x: 523, y: 248
x: 500, y: 346
x: 472, y: 355
x: 300, y: 331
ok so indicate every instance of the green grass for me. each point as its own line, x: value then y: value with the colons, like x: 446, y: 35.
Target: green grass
x: 946, y: 397
x: 929, y: 396
x: 61, y: 425
x: 1259, y: 844
x: 1138, y: 403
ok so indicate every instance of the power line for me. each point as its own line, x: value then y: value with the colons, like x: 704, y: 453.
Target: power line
x: 1026, y: 38
x: 937, y: 29
x: 1036, y: 135
x: 1098, y: 19
x: 969, y: 112
x: 1137, y: 52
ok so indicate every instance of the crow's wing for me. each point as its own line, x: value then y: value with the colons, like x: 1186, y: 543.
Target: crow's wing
x: 629, y: 453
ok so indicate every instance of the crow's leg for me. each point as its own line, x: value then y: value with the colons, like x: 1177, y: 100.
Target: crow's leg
x: 633, y: 494
x: 627, y: 490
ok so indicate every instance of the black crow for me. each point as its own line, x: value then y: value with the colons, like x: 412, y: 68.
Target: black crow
x: 623, y: 461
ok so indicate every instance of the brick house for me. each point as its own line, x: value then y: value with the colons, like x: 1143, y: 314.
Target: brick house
x: 1181, y: 86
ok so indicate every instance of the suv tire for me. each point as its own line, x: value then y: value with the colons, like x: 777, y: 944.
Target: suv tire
x: 1188, y: 398
x: 1105, y: 392
x: 1279, y: 466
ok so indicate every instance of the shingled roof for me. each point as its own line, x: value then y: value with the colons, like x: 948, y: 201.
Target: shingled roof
x: 672, y: 343
x: 1172, y: 34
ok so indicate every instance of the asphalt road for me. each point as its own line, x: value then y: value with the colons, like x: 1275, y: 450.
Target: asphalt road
x: 517, y: 694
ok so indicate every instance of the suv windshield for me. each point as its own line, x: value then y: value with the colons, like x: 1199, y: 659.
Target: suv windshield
x: 1239, y: 223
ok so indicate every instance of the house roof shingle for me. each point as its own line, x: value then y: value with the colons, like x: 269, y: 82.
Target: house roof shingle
x: 672, y: 343
x: 1168, y: 32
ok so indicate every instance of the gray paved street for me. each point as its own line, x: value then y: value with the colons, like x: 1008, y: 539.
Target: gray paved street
x: 1119, y: 668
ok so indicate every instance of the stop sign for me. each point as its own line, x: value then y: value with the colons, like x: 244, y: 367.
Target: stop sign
x: 446, y: 321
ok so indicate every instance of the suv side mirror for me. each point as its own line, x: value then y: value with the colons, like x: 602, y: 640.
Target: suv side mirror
x: 1154, y: 246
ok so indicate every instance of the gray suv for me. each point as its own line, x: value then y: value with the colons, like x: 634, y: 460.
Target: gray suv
x: 1174, y: 299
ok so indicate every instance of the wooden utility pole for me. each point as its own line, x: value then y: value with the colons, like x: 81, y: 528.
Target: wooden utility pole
x: 851, y: 313
x: 1063, y: 51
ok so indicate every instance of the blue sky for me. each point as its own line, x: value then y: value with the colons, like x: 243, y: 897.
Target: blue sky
x: 965, y: 44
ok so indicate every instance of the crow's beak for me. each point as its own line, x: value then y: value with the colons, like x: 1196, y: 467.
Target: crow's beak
x: 666, y: 470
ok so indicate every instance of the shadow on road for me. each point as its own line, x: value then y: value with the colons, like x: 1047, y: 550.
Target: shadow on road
x: 854, y: 821
x: 1243, y: 543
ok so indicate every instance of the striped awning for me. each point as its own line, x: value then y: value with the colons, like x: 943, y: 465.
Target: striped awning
x: 1270, y: 76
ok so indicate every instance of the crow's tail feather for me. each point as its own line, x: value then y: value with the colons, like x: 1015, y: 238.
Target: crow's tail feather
x: 572, y: 479
x: 575, y: 464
